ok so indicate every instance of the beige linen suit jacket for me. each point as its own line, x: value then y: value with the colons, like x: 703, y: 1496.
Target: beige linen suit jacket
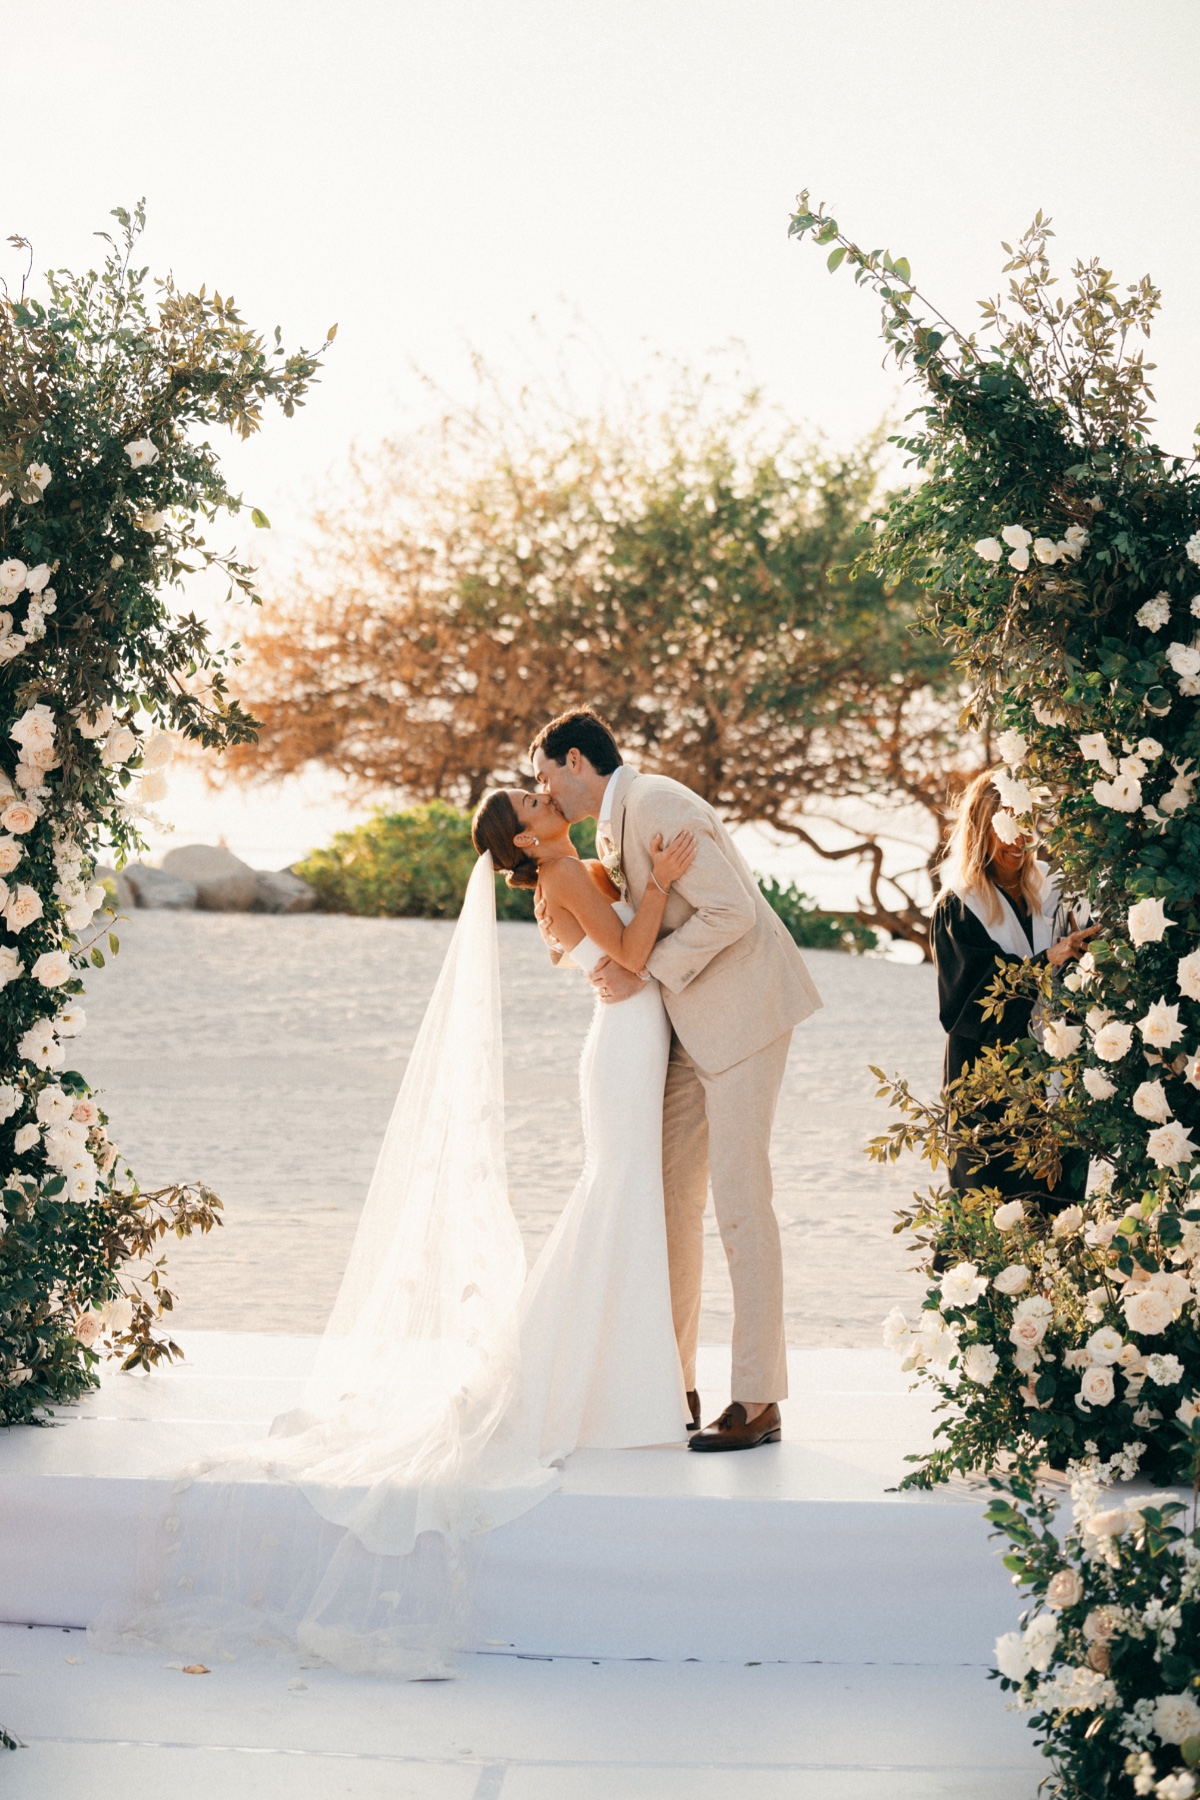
x: 732, y: 980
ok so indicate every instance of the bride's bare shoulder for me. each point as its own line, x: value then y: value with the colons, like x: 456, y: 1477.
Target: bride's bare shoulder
x: 569, y: 874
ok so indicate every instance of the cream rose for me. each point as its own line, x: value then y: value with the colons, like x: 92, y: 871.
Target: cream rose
x: 1147, y: 1312
x: 23, y: 908
x: 1098, y: 1085
x: 1148, y: 921
x: 1065, y: 1588
x: 1012, y: 1280
x: 26, y: 1138
x: 19, y: 817
x: 52, y: 968
x: 1011, y: 1213
x: 1097, y: 1386
x: 1175, y: 1717
x: 980, y: 1363
x: 1110, y: 1043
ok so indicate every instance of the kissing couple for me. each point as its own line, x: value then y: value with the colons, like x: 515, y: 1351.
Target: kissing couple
x: 450, y: 1384
x: 699, y: 986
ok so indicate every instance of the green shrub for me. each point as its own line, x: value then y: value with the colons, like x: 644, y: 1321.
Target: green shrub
x: 813, y: 929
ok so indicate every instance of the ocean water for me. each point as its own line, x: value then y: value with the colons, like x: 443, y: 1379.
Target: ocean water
x: 262, y: 1056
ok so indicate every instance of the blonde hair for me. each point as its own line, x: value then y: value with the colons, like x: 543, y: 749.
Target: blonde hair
x: 966, y: 866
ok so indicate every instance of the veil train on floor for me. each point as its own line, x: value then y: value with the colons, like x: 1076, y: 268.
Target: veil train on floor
x: 346, y: 1534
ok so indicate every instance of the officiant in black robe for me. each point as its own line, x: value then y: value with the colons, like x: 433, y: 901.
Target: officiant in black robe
x: 998, y: 905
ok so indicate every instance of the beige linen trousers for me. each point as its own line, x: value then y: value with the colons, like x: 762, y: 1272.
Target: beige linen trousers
x: 734, y: 986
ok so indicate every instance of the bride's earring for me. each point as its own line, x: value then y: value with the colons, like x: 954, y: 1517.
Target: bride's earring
x: 537, y: 840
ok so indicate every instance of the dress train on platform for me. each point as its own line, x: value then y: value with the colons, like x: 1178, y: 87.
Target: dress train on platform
x: 446, y: 1387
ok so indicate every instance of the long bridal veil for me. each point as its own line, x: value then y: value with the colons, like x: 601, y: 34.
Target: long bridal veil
x: 345, y: 1533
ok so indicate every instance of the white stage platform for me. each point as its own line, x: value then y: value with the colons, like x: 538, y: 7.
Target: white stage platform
x: 791, y: 1553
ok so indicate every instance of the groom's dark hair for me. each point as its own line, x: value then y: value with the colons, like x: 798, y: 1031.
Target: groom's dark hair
x: 582, y: 730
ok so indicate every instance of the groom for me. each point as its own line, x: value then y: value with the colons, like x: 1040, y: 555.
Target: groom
x: 734, y: 985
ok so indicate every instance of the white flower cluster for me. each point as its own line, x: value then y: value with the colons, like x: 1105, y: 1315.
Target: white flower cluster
x: 16, y: 579
x: 34, y: 734
x: 80, y: 899
x: 1123, y: 791
x: 1069, y: 547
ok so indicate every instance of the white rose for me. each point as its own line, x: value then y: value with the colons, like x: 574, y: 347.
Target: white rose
x: 1170, y: 1145
x: 1006, y: 828
x: 1100, y: 1234
x: 1123, y: 794
x: 118, y: 1314
x: 1012, y: 1280
x: 1041, y: 1635
x: 1192, y: 547
x: 1188, y: 975
x: 1097, y: 1386
x: 1175, y: 1717
x: 11, y: 965
x: 1019, y: 560
x: 1184, y: 660
x: 11, y: 1101
x: 24, y: 906
x: 990, y: 549
x: 1161, y: 1027
x: 1048, y: 715
x: 1061, y: 1039
x: 1027, y: 1332
x: 1112, y: 1041
x: 1025, y: 1358
x: 1164, y: 1371
x: 1093, y: 747
x: 35, y: 729
x: 18, y: 816
x: 1067, y: 1221
x: 1012, y: 1657
x: 1011, y: 1213
x: 38, y: 1045
x: 12, y: 575
x: 153, y: 787
x: 53, y: 1106
x: 52, y: 968
x: 962, y: 1285
x: 1147, y: 1311
x: 1016, y: 537
x: 1150, y: 1102
x: 119, y: 745
x: 1105, y: 1346
x: 1189, y: 1410
x: 1076, y: 540
x: 141, y: 453
x: 1014, y: 794
x: 159, y: 749
x: 895, y: 1330
x: 86, y: 1112
x: 40, y: 475
x: 71, y: 1020
x: 980, y: 1363
x: 25, y: 1139
x: 1046, y: 550
x: 1155, y: 613
x: 37, y: 578
x: 1011, y: 747
x: 1110, y: 1523
x: 10, y: 855
x: 1065, y: 1588
x: 1098, y: 1085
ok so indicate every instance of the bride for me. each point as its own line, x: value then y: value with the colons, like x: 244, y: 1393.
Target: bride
x: 599, y: 1364
x: 448, y: 1385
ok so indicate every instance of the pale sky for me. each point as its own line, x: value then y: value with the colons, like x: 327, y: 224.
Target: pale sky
x: 433, y: 174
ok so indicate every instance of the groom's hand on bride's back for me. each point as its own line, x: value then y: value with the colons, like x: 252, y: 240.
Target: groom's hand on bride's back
x: 614, y: 983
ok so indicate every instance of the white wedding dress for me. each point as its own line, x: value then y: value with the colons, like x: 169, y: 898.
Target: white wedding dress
x: 599, y: 1364
x: 447, y: 1386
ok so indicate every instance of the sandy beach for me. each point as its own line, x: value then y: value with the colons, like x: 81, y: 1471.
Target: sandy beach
x: 262, y: 1055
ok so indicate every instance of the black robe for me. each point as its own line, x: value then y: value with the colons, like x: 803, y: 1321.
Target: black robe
x: 967, y: 959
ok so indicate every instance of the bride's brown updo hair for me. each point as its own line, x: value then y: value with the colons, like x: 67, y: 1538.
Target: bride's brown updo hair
x: 493, y: 828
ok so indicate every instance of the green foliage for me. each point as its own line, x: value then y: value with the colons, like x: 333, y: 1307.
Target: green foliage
x: 813, y: 929
x: 105, y: 482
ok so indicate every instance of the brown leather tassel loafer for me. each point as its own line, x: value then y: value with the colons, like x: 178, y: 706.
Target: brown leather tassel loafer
x: 693, y: 1400
x: 732, y: 1432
